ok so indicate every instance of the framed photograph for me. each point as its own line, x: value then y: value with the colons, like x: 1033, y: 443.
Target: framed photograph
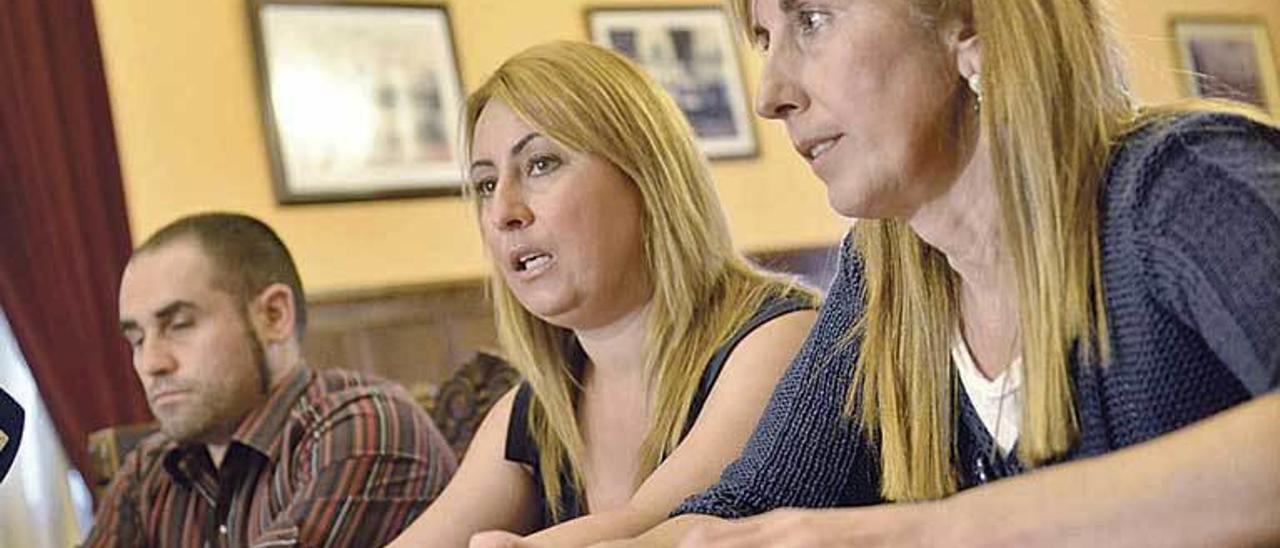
x: 691, y: 52
x: 1227, y: 58
x: 360, y: 101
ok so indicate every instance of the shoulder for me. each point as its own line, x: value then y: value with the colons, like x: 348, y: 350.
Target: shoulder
x: 813, y: 339
x: 342, y: 391
x: 772, y: 335
x: 511, y: 415
x: 1176, y: 174
x: 360, y: 409
x: 505, y: 407
x: 148, y: 453
x: 1177, y: 152
x: 511, y: 411
x: 776, y: 314
x: 844, y: 300
x: 849, y: 271
x: 1204, y: 133
x: 791, y: 300
x: 143, y: 467
x: 155, y: 443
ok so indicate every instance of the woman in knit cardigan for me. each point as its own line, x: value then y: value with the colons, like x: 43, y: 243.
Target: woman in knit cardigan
x: 1046, y: 283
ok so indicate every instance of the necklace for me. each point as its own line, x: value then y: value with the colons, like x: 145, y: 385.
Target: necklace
x: 1004, y: 391
x: 986, y: 464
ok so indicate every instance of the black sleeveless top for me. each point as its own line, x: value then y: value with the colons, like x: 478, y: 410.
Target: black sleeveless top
x: 521, y: 448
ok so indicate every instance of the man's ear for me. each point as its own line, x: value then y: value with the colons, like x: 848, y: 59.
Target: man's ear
x: 274, y: 312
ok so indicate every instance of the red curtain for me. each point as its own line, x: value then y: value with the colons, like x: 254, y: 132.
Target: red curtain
x: 64, y: 235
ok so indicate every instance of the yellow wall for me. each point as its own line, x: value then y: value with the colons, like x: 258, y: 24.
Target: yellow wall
x: 183, y: 90
x: 1143, y: 30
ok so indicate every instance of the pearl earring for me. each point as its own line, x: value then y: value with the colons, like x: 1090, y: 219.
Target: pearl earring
x: 975, y: 85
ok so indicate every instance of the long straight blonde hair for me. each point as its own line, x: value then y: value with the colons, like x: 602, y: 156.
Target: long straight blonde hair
x: 1053, y: 105
x: 595, y: 101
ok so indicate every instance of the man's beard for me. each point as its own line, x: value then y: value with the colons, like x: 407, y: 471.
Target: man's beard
x: 210, y: 422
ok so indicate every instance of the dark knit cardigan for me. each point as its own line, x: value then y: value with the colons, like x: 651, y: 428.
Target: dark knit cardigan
x: 1190, y: 240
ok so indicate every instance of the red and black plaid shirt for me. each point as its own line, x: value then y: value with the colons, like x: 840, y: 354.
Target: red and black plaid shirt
x: 332, y: 459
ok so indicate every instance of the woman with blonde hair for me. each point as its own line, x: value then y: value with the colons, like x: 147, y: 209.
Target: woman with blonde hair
x: 1046, y: 283
x: 649, y: 346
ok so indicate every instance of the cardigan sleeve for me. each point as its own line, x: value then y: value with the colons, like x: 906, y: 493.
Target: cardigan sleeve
x: 805, y: 452
x: 1213, y: 225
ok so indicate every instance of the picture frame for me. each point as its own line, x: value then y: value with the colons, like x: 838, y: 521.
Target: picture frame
x: 359, y: 101
x: 1227, y: 58
x: 691, y: 52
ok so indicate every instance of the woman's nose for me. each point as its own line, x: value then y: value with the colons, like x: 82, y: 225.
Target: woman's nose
x: 780, y: 92
x: 509, y: 210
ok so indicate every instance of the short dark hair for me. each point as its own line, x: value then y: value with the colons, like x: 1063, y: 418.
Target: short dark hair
x: 247, y: 254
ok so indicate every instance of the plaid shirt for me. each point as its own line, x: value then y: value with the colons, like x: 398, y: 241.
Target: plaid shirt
x: 332, y: 459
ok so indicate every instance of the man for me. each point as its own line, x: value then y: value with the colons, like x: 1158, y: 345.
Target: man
x: 255, y: 448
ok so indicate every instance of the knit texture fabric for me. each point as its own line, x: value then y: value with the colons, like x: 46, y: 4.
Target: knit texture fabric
x: 1190, y: 240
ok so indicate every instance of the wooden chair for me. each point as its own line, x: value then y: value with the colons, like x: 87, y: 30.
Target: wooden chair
x: 460, y: 403
x: 107, y: 448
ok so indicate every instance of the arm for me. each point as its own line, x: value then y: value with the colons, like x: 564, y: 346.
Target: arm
x: 1178, y: 490
x: 669, y: 533
x: 1215, y: 483
x: 731, y: 412
x: 362, y: 473
x: 488, y: 492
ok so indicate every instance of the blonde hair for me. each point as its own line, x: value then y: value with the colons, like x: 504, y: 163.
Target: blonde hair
x: 1054, y: 104
x: 595, y: 101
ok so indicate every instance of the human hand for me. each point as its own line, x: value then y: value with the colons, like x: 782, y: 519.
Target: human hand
x: 884, y: 525
x: 499, y: 539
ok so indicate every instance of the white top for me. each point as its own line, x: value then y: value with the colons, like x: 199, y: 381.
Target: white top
x: 990, y: 395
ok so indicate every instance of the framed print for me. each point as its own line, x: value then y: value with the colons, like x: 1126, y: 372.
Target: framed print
x: 360, y: 101
x: 1227, y: 58
x: 691, y: 53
